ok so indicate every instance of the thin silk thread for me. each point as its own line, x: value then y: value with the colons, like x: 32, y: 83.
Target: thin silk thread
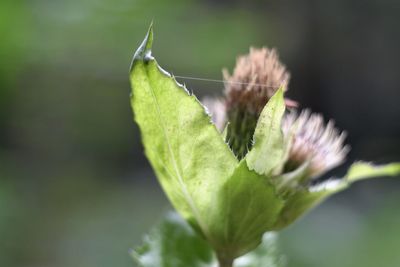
x: 222, y: 81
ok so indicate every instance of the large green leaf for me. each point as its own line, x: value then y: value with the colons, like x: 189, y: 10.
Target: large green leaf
x: 268, y: 150
x: 248, y: 206
x: 173, y: 243
x: 185, y: 149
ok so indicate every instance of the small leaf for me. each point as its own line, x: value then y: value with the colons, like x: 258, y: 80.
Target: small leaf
x: 303, y: 200
x: 268, y: 149
x: 173, y: 243
x: 265, y: 255
x: 185, y: 149
x: 364, y: 170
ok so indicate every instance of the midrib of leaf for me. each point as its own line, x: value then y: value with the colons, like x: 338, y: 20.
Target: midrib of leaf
x: 184, y: 189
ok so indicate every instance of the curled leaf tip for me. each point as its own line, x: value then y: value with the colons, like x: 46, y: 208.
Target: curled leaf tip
x: 143, y: 53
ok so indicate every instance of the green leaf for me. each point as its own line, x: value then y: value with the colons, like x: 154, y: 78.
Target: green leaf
x: 364, y: 170
x: 265, y: 255
x: 185, y: 149
x: 173, y: 243
x: 248, y: 206
x: 268, y: 149
x: 303, y: 200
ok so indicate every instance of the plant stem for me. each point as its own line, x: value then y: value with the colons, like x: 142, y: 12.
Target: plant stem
x: 225, y: 262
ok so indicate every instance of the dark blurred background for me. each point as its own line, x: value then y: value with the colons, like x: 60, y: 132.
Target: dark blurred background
x: 75, y: 187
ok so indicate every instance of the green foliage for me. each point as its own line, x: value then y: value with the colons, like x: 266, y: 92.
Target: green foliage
x: 303, y: 200
x: 230, y: 203
x: 363, y: 170
x: 265, y: 255
x: 173, y: 243
x: 248, y: 207
x: 268, y: 149
x: 185, y: 149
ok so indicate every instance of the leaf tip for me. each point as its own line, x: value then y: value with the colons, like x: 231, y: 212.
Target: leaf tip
x: 364, y: 170
x: 143, y: 53
x: 280, y: 92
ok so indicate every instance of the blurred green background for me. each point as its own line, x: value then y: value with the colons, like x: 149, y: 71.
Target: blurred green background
x: 75, y: 188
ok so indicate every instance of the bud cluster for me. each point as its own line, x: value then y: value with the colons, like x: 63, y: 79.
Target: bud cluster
x: 255, y: 79
x: 229, y: 201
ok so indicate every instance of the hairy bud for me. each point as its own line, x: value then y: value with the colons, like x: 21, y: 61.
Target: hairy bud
x: 322, y: 146
x: 255, y: 79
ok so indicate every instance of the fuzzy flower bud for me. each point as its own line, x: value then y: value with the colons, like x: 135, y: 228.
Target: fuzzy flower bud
x: 255, y: 79
x: 313, y: 142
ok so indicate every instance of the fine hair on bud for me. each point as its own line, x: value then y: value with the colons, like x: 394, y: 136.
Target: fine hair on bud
x: 313, y: 141
x: 255, y: 79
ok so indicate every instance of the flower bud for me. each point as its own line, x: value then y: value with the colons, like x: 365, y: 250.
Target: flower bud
x: 313, y: 142
x: 255, y: 79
